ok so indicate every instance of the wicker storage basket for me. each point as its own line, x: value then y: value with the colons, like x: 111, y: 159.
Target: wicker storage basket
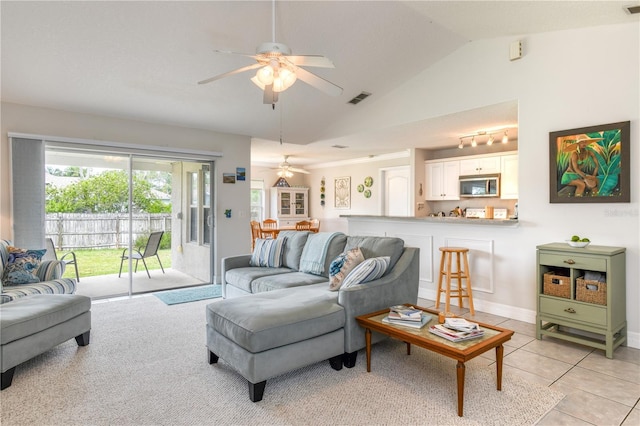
x: 556, y: 285
x: 591, y: 291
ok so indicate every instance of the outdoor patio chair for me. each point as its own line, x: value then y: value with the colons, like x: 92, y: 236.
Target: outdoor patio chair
x: 150, y: 250
x: 52, y: 255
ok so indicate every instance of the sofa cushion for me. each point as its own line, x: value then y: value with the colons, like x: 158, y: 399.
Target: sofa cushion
x: 342, y: 265
x: 22, y: 265
x: 377, y: 247
x: 243, y: 277
x: 276, y: 282
x: 268, y: 252
x: 320, y: 250
x: 277, y: 318
x: 369, y: 270
x: 34, y: 314
x: 59, y: 286
x: 293, y: 248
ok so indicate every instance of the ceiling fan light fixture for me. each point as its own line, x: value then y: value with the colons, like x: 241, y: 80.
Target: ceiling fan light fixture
x: 490, y: 140
x: 505, y: 138
x: 265, y: 75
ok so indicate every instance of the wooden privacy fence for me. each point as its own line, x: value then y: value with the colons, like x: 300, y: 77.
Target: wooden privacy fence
x: 104, y: 230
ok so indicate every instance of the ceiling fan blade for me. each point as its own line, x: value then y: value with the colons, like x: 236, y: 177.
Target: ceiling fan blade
x: 296, y: 170
x: 227, y: 74
x: 318, y: 82
x: 310, y: 61
x: 229, y: 52
x: 269, y: 96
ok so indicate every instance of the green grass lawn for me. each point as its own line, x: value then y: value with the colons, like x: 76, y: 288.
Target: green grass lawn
x: 107, y: 261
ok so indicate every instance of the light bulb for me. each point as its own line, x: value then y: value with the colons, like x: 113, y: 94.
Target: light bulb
x: 460, y: 145
x: 505, y: 138
x: 490, y: 141
x: 473, y: 142
x: 288, y: 77
x: 265, y: 75
x: 278, y: 84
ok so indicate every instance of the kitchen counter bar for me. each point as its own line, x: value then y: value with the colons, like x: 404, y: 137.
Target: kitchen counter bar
x: 440, y: 220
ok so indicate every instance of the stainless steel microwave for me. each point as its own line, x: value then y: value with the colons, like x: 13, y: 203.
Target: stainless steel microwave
x: 480, y: 186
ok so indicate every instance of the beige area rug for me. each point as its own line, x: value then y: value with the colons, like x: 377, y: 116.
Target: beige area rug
x: 147, y: 365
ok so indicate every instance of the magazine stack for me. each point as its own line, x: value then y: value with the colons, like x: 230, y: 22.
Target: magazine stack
x: 457, y: 329
x: 407, y: 316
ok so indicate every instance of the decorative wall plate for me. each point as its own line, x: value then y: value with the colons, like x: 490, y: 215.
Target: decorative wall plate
x: 367, y: 193
x: 368, y: 181
x: 360, y: 188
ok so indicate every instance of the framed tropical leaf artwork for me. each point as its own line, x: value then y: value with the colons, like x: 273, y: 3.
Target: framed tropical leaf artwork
x: 590, y: 164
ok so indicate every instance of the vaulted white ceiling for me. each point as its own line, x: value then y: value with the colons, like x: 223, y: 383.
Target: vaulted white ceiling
x: 142, y: 60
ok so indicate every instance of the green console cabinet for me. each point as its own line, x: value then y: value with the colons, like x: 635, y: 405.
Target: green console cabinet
x: 581, y: 295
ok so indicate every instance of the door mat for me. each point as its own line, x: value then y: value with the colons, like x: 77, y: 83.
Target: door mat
x: 185, y: 295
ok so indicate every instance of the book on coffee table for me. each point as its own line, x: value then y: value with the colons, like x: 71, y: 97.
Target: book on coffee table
x: 424, y: 320
x: 454, y: 335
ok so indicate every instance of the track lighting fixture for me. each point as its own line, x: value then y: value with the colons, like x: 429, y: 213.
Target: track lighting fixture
x: 477, y: 136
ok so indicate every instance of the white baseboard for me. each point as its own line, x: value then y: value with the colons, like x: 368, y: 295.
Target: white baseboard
x: 507, y: 311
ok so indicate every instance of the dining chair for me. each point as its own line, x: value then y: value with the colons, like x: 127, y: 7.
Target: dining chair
x: 256, y: 232
x: 51, y: 254
x: 315, y: 225
x: 269, y: 224
x: 303, y: 225
x: 150, y: 250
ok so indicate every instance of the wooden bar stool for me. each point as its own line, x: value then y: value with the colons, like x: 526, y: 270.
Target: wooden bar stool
x: 460, y: 274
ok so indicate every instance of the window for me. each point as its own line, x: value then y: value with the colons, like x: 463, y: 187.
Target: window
x: 193, y: 207
x: 200, y: 220
x: 257, y: 200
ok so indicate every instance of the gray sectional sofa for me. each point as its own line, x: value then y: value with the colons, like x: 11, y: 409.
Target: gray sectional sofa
x: 273, y: 320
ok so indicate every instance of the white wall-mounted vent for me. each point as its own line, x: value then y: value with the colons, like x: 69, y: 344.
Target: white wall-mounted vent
x: 361, y: 97
x: 515, y: 50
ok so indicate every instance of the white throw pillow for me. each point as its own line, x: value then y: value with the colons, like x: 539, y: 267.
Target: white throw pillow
x: 268, y: 252
x: 369, y: 270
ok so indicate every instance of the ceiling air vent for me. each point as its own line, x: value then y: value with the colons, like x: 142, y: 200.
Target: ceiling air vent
x: 361, y: 97
x: 633, y: 9
x: 339, y: 146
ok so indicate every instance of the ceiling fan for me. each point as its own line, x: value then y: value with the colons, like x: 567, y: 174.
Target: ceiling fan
x: 285, y: 169
x: 278, y: 69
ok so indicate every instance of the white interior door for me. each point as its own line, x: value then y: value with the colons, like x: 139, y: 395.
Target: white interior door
x: 396, y: 191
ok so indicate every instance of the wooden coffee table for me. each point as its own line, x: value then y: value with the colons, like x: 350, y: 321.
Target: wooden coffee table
x: 494, y: 337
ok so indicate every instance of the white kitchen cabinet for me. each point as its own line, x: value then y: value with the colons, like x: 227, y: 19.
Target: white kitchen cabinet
x: 442, y: 180
x: 480, y: 165
x: 509, y: 177
x: 289, y: 205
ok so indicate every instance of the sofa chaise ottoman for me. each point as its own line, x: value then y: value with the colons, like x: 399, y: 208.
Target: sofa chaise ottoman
x: 274, y: 332
x: 30, y: 326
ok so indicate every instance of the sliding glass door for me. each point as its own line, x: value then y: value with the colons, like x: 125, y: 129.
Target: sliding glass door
x: 137, y: 223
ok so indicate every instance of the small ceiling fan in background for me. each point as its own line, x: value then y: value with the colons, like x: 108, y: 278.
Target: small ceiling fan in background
x: 278, y: 69
x: 286, y: 170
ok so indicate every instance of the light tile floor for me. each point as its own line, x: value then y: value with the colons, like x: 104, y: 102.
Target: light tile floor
x: 598, y: 390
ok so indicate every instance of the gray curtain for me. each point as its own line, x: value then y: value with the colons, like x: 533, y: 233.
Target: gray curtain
x: 27, y: 176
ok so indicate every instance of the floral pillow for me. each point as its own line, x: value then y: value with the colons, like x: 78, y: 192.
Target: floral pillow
x: 21, y: 266
x: 342, y: 265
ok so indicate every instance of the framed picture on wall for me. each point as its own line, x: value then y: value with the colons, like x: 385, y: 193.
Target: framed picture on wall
x: 343, y: 192
x: 590, y: 164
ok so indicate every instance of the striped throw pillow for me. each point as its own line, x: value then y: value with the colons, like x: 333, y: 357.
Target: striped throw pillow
x: 369, y: 270
x: 268, y: 252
